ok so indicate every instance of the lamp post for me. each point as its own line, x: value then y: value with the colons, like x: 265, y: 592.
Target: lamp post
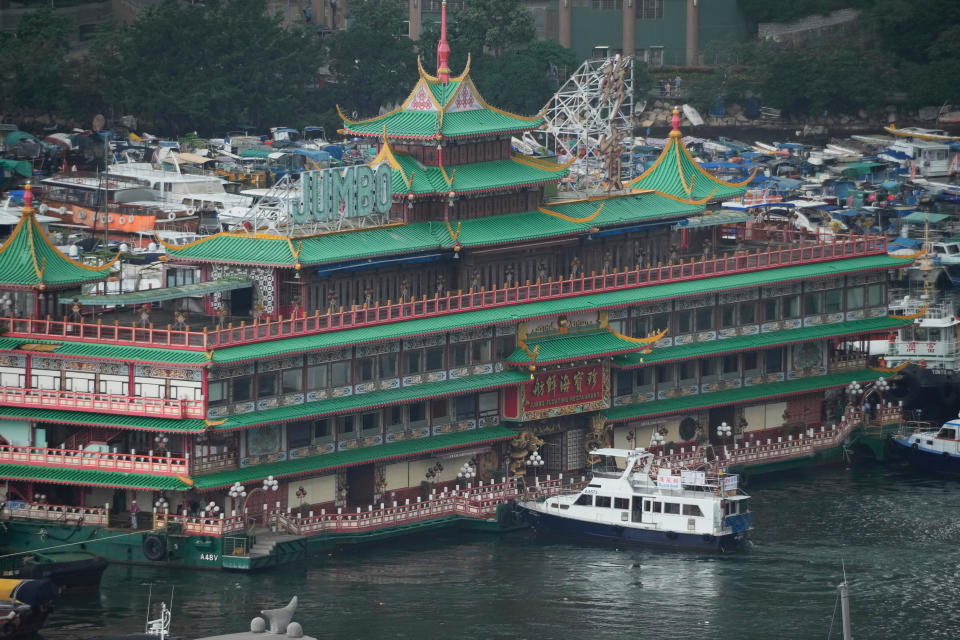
x: 724, y: 431
x: 657, y: 440
x: 534, y: 462
x: 237, y: 491
x: 160, y: 442
x: 854, y: 390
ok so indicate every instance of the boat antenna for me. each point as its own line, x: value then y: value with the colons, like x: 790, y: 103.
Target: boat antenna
x: 845, y: 604
x: 149, y: 598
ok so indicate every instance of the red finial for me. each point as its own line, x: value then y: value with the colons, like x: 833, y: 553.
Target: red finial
x: 28, y: 198
x: 443, y: 47
x: 675, y: 120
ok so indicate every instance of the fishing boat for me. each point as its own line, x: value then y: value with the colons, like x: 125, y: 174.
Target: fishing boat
x: 919, y: 133
x: 678, y: 508
x: 69, y: 570
x: 934, y: 450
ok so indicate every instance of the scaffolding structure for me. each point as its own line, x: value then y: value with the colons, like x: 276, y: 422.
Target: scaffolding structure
x: 591, y: 114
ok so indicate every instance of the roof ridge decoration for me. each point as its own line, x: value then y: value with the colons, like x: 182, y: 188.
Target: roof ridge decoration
x: 563, y: 216
x: 688, y: 171
x: 29, y: 229
x: 443, y: 47
x: 386, y: 155
x: 539, y: 164
x: 642, y: 342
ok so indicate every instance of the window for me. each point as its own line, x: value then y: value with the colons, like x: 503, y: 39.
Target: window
x: 657, y: 507
x: 413, y: 362
x: 292, y: 381
x: 323, y: 429
x: 417, y: 413
x: 814, y: 302
x: 731, y: 364
x: 750, y: 362
x: 480, y: 351
x: 505, y: 346
x: 688, y: 370
x: 603, y: 501
x: 708, y: 367
x: 434, y: 358
x: 241, y: 389
x: 671, y: 507
x: 460, y: 354
x: 645, y: 378
x: 340, y: 373
x: 217, y: 392
x: 439, y: 410
x: 650, y: 10
x: 855, y: 298
x: 346, y: 427
x: 624, y: 383
x: 466, y: 407
x: 770, y: 310
x: 299, y: 434
x: 684, y: 321
x: 365, y: 369
x: 394, y: 416
x: 875, y: 295
x: 115, y: 387
x: 621, y: 503
x: 773, y: 360
x: 791, y: 307
x: 584, y: 500
x: 728, y: 316
x: 317, y: 377
x: 705, y: 319
x: 833, y: 301
x: 489, y: 403
x: 267, y: 385
x: 665, y: 374
x: 692, y: 510
x: 388, y: 365
x: 748, y: 312
x: 370, y: 422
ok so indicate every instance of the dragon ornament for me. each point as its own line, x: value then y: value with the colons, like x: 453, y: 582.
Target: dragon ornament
x: 525, y: 443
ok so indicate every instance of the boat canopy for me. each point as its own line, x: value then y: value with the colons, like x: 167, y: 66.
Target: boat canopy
x: 163, y: 293
x: 922, y: 217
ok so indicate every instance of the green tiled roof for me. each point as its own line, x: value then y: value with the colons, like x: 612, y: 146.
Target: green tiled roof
x: 144, y: 296
x: 469, y: 178
x: 350, y: 457
x: 425, y: 125
x: 743, y: 394
x: 409, y: 123
x: 187, y: 425
x: 28, y: 258
x: 88, y: 477
x: 150, y: 355
x: 375, y: 399
x: 676, y: 173
x: 425, y: 236
x: 758, y: 341
x: 574, y: 346
x: 516, y: 313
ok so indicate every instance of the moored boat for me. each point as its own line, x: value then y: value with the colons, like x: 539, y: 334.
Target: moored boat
x: 686, y: 509
x: 72, y: 570
x: 937, y: 450
x: 24, y: 606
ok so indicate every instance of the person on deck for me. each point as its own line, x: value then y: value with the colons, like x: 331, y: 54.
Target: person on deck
x: 134, y: 510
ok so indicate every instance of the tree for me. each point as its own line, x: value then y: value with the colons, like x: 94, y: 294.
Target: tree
x: 32, y: 59
x: 372, y: 60
x: 207, y: 66
x: 495, y: 26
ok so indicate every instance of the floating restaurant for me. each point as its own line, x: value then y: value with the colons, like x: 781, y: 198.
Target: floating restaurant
x: 390, y: 357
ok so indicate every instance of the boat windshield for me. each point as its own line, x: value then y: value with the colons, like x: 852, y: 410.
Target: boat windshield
x: 947, y: 433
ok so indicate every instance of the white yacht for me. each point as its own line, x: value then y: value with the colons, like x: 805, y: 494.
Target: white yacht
x: 622, y: 503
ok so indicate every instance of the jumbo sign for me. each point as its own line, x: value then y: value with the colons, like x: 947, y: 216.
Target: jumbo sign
x: 352, y: 192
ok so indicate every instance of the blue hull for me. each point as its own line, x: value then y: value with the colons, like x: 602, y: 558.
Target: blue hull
x: 556, y: 525
x: 927, y: 459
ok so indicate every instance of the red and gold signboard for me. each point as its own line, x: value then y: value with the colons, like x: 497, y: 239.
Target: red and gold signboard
x: 565, y: 391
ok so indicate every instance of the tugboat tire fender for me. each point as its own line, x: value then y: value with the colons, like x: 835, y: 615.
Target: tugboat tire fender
x: 154, y: 548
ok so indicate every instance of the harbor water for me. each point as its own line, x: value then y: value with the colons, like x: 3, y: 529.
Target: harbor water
x: 895, y: 530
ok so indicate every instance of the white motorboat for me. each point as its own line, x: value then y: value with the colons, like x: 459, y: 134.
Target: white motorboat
x: 623, y: 503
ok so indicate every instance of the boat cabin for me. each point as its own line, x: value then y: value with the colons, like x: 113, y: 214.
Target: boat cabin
x: 930, y: 159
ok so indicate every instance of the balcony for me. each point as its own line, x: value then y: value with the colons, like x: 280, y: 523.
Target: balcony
x: 101, y: 403
x: 94, y: 460
x: 777, y: 248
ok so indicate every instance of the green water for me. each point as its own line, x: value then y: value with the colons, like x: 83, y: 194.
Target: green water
x: 897, y: 532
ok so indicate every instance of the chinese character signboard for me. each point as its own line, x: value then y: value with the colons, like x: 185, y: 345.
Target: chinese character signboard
x: 565, y: 391
x: 666, y: 480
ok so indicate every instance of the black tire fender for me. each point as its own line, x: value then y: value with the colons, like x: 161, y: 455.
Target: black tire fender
x: 154, y: 548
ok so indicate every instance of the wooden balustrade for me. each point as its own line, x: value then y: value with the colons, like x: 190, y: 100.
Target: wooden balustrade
x: 797, y: 251
x: 101, y: 403
x: 93, y: 460
x: 56, y: 513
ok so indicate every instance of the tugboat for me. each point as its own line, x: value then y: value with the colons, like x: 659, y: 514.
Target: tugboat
x: 937, y: 451
x: 686, y: 509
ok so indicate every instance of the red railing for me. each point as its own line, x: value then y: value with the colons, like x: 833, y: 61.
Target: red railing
x: 101, y: 403
x: 94, y: 460
x: 802, y: 252
x: 201, y: 525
